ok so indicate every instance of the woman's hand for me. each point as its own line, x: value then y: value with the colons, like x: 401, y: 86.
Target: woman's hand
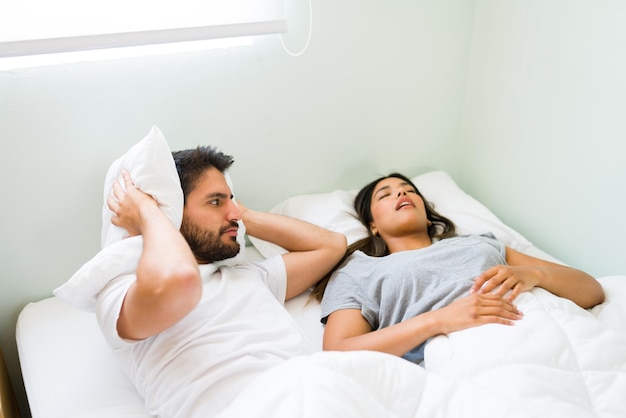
x: 501, y: 279
x: 523, y: 272
x: 476, y: 309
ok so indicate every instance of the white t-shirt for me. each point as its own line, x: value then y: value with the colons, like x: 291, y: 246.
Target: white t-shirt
x: 195, y: 368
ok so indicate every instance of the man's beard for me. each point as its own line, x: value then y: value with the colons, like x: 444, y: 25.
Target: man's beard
x: 208, y: 246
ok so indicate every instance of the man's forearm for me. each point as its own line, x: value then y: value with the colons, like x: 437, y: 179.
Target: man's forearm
x: 289, y: 233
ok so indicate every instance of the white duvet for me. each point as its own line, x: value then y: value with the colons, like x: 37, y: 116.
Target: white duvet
x: 558, y: 361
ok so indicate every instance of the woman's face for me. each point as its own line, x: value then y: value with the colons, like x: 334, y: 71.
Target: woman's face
x: 397, y: 210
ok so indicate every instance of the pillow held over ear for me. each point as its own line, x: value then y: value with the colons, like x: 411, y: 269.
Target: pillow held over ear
x: 153, y: 171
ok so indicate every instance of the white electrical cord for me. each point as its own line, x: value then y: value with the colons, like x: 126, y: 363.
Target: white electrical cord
x: 306, y: 45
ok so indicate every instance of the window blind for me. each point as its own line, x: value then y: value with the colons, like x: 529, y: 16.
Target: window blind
x: 29, y: 27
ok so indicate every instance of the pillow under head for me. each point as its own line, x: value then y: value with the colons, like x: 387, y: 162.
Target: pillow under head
x: 335, y: 211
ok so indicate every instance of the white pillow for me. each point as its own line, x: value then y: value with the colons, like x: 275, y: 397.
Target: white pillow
x: 117, y: 259
x: 468, y: 214
x: 152, y: 169
x: 335, y: 211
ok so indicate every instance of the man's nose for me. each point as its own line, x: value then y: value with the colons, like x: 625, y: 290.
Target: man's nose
x: 234, y: 214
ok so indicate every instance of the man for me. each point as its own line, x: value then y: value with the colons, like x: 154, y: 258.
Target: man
x: 191, y: 334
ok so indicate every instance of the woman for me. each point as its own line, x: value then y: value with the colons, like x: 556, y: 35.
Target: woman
x: 412, y: 278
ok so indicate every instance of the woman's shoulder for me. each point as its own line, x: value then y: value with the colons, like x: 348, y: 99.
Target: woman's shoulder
x: 358, y: 258
x: 358, y: 264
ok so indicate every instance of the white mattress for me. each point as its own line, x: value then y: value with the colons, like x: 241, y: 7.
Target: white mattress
x: 68, y: 369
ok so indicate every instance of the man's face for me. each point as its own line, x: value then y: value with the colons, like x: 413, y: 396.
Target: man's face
x: 210, y: 219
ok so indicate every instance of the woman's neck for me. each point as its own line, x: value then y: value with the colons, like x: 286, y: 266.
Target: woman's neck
x: 413, y: 242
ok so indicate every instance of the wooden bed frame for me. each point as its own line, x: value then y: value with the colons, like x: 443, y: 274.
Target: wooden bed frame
x: 8, y: 402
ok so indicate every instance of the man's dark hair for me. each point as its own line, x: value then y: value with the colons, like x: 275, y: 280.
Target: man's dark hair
x: 192, y: 163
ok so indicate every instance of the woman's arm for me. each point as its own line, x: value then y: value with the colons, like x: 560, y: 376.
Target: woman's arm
x: 313, y: 250
x: 524, y: 272
x: 346, y: 329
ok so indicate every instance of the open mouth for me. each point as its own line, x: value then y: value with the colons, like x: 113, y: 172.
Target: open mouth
x: 404, y: 202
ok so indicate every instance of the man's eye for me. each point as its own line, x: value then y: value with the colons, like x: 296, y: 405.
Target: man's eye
x: 214, y: 202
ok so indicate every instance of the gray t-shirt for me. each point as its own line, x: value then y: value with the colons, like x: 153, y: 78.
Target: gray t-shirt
x: 391, y: 289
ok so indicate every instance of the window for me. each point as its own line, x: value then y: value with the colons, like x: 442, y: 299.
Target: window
x: 30, y: 27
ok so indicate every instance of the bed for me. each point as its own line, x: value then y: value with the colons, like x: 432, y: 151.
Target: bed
x: 560, y: 360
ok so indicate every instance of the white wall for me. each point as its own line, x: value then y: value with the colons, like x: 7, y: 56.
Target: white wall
x: 543, y: 128
x: 380, y: 88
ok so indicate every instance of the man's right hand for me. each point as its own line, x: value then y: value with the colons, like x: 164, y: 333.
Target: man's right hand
x: 127, y: 204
